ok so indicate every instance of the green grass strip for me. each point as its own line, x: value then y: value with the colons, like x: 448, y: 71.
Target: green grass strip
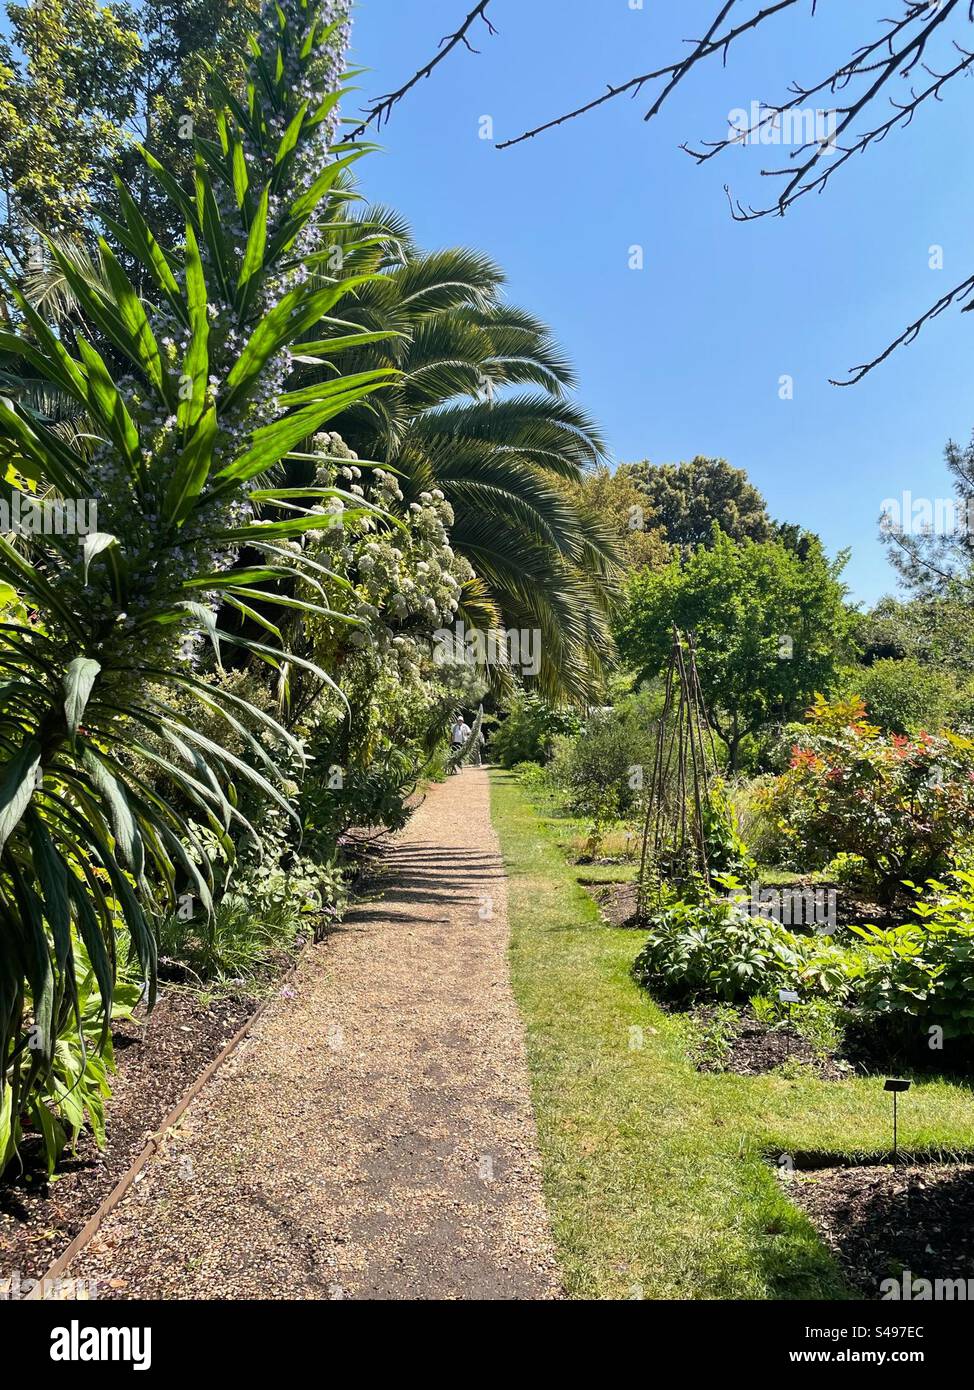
x: 655, y: 1174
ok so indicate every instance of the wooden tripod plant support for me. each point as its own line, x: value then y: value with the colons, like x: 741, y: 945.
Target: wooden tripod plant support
x: 685, y: 761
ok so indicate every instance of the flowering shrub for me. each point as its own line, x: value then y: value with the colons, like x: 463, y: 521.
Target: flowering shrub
x: 399, y: 585
x: 184, y: 420
x: 904, y: 804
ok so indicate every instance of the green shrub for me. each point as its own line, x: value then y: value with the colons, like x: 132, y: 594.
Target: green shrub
x: 237, y: 944
x: 601, y: 770
x: 529, y: 731
x: 852, y: 871
x: 905, y: 696
x: 533, y: 776
x: 267, y: 898
x: 712, y: 947
x: 900, y: 981
x: 924, y: 970
x: 726, y: 851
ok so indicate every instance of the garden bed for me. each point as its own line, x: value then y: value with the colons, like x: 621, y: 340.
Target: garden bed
x: 157, y: 1061
x: 880, y: 1221
x: 617, y: 902
x: 656, y: 1175
x: 748, y: 1047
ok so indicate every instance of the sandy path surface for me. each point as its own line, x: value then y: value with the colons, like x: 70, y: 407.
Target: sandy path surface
x: 373, y: 1136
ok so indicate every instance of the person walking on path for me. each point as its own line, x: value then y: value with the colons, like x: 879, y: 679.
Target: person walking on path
x: 458, y: 736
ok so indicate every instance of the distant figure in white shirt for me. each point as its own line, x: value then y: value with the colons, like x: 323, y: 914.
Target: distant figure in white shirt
x: 458, y: 736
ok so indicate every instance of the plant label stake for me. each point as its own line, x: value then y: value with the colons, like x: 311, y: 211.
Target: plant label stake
x: 789, y: 997
x: 896, y: 1085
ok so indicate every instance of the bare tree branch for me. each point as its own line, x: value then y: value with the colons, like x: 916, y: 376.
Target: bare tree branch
x: 703, y: 49
x: 897, y: 53
x: 899, y: 62
x: 381, y: 109
x: 956, y: 295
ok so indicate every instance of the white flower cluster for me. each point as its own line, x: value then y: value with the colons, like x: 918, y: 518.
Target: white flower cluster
x: 406, y: 575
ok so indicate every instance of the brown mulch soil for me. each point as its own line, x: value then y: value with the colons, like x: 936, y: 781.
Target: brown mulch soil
x: 757, y: 1049
x: 617, y: 902
x: 879, y: 1221
x: 157, y: 1061
x: 856, y: 908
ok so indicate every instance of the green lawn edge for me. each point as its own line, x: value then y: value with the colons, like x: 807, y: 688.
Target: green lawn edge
x: 657, y: 1177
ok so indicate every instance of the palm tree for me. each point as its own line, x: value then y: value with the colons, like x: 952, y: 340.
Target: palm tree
x: 462, y: 419
x: 481, y: 411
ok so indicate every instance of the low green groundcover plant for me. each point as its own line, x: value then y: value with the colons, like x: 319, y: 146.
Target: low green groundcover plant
x: 713, y: 947
x: 907, y: 980
x: 924, y: 970
x: 73, y: 1091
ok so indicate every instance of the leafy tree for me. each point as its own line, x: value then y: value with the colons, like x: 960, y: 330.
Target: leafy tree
x: 770, y: 629
x: 68, y: 86
x: 505, y: 465
x: 686, y: 500
x: 81, y: 86
x: 616, y: 499
x: 938, y: 631
x: 181, y: 43
x: 936, y: 558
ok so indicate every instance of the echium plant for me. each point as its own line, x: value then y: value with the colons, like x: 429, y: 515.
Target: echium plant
x: 179, y: 451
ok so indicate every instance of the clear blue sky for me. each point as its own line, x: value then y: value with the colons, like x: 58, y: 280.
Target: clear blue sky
x: 685, y: 356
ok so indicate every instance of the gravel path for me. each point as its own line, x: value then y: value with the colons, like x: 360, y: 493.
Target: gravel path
x: 373, y: 1136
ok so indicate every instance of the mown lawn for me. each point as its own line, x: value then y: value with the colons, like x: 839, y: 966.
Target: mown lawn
x: 656, y: 1175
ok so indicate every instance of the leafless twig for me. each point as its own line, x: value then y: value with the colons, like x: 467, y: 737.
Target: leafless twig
x: 900, y: 50
x: 381, y: 108
x: 957, y: 294
x: 703, y: 48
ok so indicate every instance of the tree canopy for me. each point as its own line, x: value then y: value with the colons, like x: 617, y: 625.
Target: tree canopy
x: 685, y: 500
x: 770, y: 628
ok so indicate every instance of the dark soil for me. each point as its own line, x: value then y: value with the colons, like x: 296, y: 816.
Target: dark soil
x: 879, y: 1221
x: 755, y: 1049
x: 157, y: 1061
x: 617, y: 902
x: 855, y: 907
